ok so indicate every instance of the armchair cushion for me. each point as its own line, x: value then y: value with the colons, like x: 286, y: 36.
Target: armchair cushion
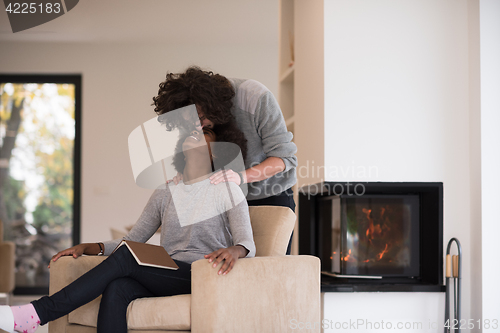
x: 164, y: 313
x: 272, y: 227
x: 161, y: 313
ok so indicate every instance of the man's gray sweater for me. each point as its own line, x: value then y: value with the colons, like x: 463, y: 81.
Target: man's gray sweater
x: 259, y: 116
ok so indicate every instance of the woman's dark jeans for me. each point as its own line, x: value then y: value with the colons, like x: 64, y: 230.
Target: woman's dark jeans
x: 120, y: 280
x: 284, y: 199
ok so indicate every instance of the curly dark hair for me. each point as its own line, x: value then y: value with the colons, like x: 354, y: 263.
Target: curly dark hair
x: 212, y: 92
x: 228, y: 132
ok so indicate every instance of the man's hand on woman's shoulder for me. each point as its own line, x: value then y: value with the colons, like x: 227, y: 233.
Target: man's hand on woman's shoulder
x: 227, y: 176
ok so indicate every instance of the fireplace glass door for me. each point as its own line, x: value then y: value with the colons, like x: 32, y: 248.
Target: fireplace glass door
x: 373, y: 235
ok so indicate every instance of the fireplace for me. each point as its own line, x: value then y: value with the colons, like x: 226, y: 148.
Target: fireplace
x: 374, y: 236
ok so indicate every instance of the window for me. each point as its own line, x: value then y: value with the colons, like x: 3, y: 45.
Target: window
x: 39, y: 171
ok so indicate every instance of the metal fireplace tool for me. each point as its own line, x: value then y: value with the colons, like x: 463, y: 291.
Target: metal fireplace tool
x: 454, y: 261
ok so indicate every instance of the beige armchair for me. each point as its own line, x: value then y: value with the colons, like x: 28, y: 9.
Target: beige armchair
x: 269, y: 293
x: 7, y: 266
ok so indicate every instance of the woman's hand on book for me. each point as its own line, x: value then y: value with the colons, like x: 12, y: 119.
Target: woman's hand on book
x: 230, y: 255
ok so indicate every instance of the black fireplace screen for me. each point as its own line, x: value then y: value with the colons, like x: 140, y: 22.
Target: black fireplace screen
x: 371, y: 235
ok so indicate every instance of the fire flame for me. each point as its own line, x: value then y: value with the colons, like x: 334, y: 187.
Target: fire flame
x: 372, y: 228
x: 346, y: 258
x: 381, y: 254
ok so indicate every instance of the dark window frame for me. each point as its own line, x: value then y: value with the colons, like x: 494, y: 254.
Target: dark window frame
x: 76, y: 80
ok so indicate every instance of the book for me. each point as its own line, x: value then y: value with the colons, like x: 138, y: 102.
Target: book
x: 149, y: 255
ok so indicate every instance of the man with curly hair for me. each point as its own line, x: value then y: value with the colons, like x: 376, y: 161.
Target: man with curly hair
x: 270, y: 161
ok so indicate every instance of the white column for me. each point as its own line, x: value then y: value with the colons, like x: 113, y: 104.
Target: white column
x: 489, y: 26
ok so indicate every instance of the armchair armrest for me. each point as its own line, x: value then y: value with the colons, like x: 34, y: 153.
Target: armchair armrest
x: 261, y: 294
x: 7, y: 264
x: 67, y: 269
x: 64, y: 271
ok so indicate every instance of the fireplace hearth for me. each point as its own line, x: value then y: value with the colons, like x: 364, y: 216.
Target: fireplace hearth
x: 378, y: 237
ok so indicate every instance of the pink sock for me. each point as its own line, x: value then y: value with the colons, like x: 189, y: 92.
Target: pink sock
x: 25, y: 318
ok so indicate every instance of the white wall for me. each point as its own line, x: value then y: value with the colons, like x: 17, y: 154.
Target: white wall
x: 475, y: 159
x: 489, y: 12
x: 383, y: 312
x: 119, y: 81
x: 397, y: 107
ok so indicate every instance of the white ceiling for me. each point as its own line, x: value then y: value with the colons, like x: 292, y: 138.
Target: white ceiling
x: 163, y: 21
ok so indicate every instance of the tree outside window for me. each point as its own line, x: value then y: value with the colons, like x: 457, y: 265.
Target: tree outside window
x: 39, y: 171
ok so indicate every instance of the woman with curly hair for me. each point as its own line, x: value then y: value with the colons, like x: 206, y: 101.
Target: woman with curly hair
x: 198, y: 221
x: 270, y: 160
